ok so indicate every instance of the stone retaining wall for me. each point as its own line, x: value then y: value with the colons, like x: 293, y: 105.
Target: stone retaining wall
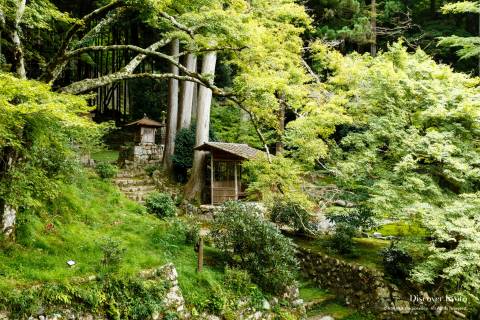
x: 366, y: 289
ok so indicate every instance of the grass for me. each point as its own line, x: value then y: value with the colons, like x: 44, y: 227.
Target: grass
x: 326, y: 303
x: 401, y: 229
x: 87, y: 213
x: 105, y: 156
x: 366, y: 251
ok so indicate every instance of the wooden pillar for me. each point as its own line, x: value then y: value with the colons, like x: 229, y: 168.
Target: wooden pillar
x: 236, y: 180
x: 200, y: 255
x: 212, y: 177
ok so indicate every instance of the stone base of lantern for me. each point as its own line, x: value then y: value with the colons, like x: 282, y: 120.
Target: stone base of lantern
x: 142, y: 154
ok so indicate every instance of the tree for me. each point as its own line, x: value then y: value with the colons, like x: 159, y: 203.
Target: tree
x: 41, y: 134
x: 470, y: 46
x: 186, y: 95
x: 410, y: 153
x: 196, y: 181
x: 172, y: 114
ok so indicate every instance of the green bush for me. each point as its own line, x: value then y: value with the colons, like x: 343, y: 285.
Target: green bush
x: 289, y: 212
x: 347, y: 224
x: 106, y: 170
x: 150, y: 169
x: 182, y: 158
x: 161, y: 204
x: 237, y: 280
x: 112, y: 252
x: 249, y: 242
x: 342, y: 240
x: 397, y: 262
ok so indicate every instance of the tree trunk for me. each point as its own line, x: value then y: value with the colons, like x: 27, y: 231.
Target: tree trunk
x: 172, y: 116
x: 373, y: 45
x: 433, y: 8
x: 186, y: 95
x: 196, y: 182
x: 18, y: 56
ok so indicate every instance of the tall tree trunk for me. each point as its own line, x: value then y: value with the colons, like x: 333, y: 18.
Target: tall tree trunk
x: 172, y: 116
x: 18, y: 56
x: 373, y: 45
x: 196, y: 182
x: 186, y: 95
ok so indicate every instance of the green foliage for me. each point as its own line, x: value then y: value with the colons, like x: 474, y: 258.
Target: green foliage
x: 150, y: 169
x: 255, y: 245
x: 231, y: 124
x: 41, y: 134
x: 161, y: 204
x: 183, y: 155
x: 397, y: 262
x: 411, y: 152
x: 112, y: 252
x: 292, y: 213
x: 106, y: 170
x: 184, y: 144
x: 342, y: 239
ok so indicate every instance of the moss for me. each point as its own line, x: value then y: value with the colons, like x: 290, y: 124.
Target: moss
x: 72, y: 228
x: 105, y: 156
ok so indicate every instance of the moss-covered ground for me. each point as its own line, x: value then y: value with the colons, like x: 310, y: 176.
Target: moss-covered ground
x: 88, y: 214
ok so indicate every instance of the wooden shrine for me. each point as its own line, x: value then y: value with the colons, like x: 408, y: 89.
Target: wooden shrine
x: 226, y: 159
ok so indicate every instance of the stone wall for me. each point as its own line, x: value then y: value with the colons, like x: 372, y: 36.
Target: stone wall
x: 366, y: 289
x: 144, y: 153
x: 173, y: 300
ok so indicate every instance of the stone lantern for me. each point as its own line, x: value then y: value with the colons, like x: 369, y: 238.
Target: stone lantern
x: 145, y: 150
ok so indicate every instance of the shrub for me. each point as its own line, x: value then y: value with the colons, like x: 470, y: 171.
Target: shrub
x: 112, y: 252
x: 255, y: 245
x: 237, y: 280
x: 397, y: 262
x: 106, y: 170
x: 182, y: 158
x: 161, y: 204
x: 347, y: 224
x: 292, y: 213
x: 342, y: 239
x: 150, y: 169
x: 192, y: 234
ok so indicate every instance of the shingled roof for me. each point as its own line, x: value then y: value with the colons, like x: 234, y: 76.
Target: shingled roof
x: 146, y: 122
x: 238, y: 149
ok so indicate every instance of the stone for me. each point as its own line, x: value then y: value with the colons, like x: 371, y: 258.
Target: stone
x: 377, y: 235
x: 8, y: 216
x: 327, y: 318
x: 265, y: 305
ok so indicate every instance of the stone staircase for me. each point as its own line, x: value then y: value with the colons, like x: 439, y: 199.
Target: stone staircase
x: 135, y: 184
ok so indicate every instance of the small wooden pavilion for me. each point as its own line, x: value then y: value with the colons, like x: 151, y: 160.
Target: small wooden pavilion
x: 226, y: 169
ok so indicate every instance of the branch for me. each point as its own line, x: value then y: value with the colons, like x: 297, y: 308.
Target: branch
x: 196, y: 52
x: 48, y: 75
x: 178, y: 25
x: 90, y: 84
x: 254, y: 120
x: 313, y: 74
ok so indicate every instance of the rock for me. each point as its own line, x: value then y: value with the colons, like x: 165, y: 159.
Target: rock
x: 266, y: 305
x: 327, y: 318
x: 377, y: 235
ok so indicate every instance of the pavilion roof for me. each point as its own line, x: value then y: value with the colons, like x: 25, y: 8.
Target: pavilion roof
x: 237, y: 149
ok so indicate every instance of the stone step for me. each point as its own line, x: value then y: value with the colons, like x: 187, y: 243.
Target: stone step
x: 139, y: 188
x: 131, y: 174
x: 123, y: 182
